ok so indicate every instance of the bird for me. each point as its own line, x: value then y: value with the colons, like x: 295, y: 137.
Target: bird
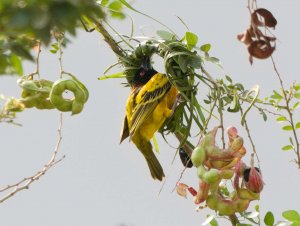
x: 151, y: 101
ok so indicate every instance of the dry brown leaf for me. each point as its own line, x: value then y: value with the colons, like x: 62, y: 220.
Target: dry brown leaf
x: 260, y: 49
x: 245, y: 37
x: 255, y: 21
x: 270, y: 20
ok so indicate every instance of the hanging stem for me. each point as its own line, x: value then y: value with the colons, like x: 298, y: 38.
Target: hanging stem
x: 290, y: 114
x: 234, y: 220
x: 109, y: 39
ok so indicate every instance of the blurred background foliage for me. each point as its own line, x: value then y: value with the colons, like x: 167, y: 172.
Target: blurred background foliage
x: 23, y: 23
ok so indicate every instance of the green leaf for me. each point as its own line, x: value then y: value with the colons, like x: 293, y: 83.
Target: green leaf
x: 16, y: 63
x: 228, y: 78
x: 291, y: 215
x: 297, y: 95
x: 205, y: 48
x: 21, y: 51
x: 297, y: 87
x: 297, y: 125
x: 165, y: 35
x: 208, y: 219
x: 183, y: 63
x: 276, y: 95
x: 252, y: 214
x: 287, y: 128
x: 255, y: 89
x: 296, y: 223
x: 269, y: 218
x: 116, y: 10
x: 256, y: 208
x: 104, y: 2
x: 195, y: 61
x: 281, y: 119
x: 287, y: 148
x: 191, y: 39
x: 128, y: 5
x: 116, y: 75
x: 214, y: 222
x: 214, y: 60
x: 265, y: 117
x: 54, y: 51
x: 235, y: 104
x: 295, y: 105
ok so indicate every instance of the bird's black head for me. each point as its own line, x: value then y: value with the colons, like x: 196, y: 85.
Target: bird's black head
x: 143, y: 76
x: 144, y: 73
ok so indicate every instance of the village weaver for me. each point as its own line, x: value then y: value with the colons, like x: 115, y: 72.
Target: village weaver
x: 149, y: 104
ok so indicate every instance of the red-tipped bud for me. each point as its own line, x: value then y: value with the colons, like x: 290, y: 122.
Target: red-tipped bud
x: 239, y: 171
x: 232, y: 132
x: 255, y: 182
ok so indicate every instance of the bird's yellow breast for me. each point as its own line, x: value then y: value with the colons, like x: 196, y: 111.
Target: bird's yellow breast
x: 164, y: 103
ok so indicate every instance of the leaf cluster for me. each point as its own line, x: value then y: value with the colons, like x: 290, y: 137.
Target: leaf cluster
x: 23, y: 22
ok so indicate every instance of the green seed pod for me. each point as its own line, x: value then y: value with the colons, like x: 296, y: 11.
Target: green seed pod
x: 28, y: 85
x: 26, y: 93
x: 247, y: 194
x: 43, y: 103
x: 227, y: 207
x: 75, y: 104
x: 242, y: 205
x: 237, y: 144
x: 198, y: 156
x: 31, y: 101
x: 226, y: 174
x: 212, y: 202
x: 209, y: 176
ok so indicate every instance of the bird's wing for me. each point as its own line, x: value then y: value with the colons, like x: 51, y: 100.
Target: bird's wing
x: 151, y: 94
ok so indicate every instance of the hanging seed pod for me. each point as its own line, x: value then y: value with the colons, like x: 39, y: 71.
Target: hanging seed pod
x: 76, y: 104
x: 253, y: 179
x: 269, y: 19
x: 260, y: 49
x: 198, y: 156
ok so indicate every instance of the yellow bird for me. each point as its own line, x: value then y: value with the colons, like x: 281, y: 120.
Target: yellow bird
x: 149, y: 104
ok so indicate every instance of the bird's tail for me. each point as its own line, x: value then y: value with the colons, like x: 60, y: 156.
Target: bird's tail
x: 155, y: 168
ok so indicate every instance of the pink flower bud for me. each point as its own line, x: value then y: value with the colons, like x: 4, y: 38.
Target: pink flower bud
x: 255, y: 182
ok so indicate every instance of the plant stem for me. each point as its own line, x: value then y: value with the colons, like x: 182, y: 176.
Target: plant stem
x: 109, y: 39
x: 233, y: 219
x: 291, y: 119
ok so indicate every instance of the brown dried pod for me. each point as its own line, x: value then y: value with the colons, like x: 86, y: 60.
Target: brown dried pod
x: 260, y: 49
x: 270, y: 20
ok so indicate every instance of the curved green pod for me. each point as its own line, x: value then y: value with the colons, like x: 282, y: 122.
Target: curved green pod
x: 76, y: 104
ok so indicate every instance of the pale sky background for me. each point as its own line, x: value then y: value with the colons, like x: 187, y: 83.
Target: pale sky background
x: 106, y: 184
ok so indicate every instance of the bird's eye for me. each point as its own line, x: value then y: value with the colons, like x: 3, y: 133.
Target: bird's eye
x: 142, y: 73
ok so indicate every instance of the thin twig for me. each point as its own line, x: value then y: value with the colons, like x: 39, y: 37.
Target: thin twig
x: 291, y: 119
x: 26, y: 182
x: 220, y: 109
x: 250, y: 138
